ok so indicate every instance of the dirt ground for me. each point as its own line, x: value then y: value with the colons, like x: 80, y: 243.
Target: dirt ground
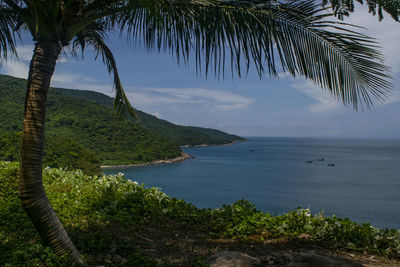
x: 187, y: 247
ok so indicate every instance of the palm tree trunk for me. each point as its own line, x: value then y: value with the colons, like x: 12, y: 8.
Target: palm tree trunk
x: 31, y: 190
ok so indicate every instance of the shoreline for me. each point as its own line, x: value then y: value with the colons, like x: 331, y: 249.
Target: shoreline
x: 184, y: 156
x: 209, y: 145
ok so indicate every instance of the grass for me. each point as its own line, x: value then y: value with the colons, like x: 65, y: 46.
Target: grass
x: 115, y: 221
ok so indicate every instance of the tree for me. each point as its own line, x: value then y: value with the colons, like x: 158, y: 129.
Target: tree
x: 343, y: 8
x: 295, y: 32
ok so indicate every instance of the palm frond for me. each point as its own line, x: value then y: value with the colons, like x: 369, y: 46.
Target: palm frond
x: 343, y: 8
x: 9, y: 31
x: 297, y: 33
x: 94, y: 36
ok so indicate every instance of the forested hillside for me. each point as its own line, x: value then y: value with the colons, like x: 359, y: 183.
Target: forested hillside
x: 58, y: 153
x: 93, y: 126
x: 86, y: 118
x: 182, y: 135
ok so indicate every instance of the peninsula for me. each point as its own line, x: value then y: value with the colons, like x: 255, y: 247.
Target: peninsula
x: 86, y: 119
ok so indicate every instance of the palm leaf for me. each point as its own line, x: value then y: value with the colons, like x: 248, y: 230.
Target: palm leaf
x: 9, y: 31
x: 343, y: 8
x: 94, y: 36
x: 296, y: 33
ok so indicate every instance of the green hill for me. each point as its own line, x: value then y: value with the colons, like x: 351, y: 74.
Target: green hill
x: 182, y: 135
x: 87, y: 119
x: 95, y: 127
x: 58, y: 153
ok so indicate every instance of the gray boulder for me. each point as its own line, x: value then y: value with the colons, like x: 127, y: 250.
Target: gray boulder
x: 231, y: 259
x: 311, y: 259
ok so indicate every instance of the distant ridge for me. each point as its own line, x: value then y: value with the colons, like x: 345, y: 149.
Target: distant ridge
x: 181, y: 135
x: 87, y: 118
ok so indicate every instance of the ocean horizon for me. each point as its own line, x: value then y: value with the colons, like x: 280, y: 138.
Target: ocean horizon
x: 356, y: 178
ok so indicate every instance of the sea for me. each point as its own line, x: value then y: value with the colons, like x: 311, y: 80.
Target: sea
x: 352, y: 178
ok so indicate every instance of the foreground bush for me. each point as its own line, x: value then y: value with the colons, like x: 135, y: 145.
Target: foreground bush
x: 109, y: 214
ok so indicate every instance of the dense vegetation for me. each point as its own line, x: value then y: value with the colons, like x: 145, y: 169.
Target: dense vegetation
x: 59, y: 153
x: 87, y: 119
x: 116, y: 221
x: 95, y: 127
x: 181, y: 135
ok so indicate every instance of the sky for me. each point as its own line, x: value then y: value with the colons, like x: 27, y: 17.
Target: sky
x: 247, y: 106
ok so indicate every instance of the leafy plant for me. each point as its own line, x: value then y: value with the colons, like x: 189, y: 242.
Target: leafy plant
x: 102, y: 214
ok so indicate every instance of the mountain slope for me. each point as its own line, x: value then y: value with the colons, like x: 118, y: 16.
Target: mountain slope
x: 58, y: 153
x: 95, y: 127
x: 182, y: 135
x: 87, y: 119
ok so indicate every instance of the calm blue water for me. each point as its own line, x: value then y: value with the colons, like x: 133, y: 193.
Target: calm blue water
x: 364, y: 184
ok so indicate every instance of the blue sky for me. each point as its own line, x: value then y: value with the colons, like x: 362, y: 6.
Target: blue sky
x: 247, y: 106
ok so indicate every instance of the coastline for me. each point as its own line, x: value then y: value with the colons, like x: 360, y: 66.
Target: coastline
x: 184, y: 156
x: 208, y: 145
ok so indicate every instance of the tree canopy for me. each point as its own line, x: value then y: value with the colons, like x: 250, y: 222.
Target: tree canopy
x: 343, y: 8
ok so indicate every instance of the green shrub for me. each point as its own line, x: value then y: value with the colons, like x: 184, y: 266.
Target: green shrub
x: 241, y: 219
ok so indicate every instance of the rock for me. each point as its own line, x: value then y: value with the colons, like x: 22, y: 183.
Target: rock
x: 119, y: 260
x: 311, y: 259
x: 231, y: 259
x: 151, y: 251
x: 305, y: 236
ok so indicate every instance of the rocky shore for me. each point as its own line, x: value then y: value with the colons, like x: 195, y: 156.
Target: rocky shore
x: 184, y: 156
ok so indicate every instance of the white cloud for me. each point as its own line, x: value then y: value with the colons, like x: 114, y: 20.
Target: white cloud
x: 227, y: 107
x: 19, y: 67
x: 394, y: 97
x: 214, y: 99
x: 63, y: 77
x: 157, y: 114
x: 210, y: 99
x: 153, y: 99
x: 79, y: 82
x: 25, y: 52
x: 15, y: 68
x: 325, y: 101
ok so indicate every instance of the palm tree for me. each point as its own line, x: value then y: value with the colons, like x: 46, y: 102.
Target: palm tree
x: 296, y: 33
